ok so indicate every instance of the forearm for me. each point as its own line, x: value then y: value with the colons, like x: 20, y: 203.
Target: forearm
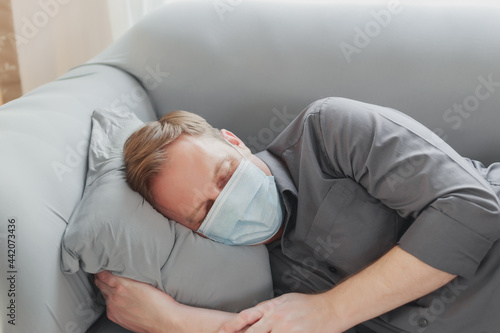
x: 394, y: 280
x: 140, y: 307
x: 192, y: 319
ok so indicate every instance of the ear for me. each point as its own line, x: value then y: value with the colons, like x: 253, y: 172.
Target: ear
x: 232, y: 138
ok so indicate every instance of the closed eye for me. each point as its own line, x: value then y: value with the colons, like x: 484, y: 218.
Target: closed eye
x: 224, y: 172
x: 226, y: 176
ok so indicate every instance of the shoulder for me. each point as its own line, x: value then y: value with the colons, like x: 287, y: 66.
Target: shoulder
x: 344, y: 114
x: 336, y: 112
x: 332, y: 114
x: 332, y: 109
x: 344, y: 107
x: 338, y: 117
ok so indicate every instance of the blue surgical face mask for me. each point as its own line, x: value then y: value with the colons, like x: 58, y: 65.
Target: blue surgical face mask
x: 248, y: 210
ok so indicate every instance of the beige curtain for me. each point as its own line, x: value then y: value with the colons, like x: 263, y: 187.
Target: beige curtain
x: 10, y: 82
x: 125, y: 13
x: 53, y: 36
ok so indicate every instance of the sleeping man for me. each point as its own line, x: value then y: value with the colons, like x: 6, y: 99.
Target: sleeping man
x: 371, y: 222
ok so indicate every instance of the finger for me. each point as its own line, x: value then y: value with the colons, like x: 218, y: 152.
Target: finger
x: 235, y: 325
x: 100, y: 275
x: 107, y: 278
x: 101, y: 285
x: 263, y: 325
x: 243, y: 319
x: 252, y: 315
x: 103, y: 288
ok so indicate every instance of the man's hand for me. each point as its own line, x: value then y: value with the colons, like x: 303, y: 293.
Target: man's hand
x: 142, y: 308
x: 395, y: 279
x: 137, y: 306
x: 286, y: 314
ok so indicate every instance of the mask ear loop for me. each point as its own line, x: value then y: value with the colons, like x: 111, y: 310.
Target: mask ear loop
x: 235, y: 148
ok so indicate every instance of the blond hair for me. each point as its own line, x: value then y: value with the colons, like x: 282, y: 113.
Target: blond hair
x: 145, y: 153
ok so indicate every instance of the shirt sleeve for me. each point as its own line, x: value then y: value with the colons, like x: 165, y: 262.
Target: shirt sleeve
x: 410, y: 169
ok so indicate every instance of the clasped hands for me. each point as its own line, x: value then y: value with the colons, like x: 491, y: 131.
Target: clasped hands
x: 288, y: 313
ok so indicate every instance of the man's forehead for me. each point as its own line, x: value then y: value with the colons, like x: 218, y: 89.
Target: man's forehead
x: 181, y: 184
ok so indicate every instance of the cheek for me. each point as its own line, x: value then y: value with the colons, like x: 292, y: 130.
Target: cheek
x: 175, y: 206
x: 179, y: 215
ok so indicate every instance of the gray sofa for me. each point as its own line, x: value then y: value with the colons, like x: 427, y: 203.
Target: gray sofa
x: 248, y: 66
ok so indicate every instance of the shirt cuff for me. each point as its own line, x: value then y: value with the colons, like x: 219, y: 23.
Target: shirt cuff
x: 445, y: 244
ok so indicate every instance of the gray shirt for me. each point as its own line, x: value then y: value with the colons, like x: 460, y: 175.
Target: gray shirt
x: 357, y: 179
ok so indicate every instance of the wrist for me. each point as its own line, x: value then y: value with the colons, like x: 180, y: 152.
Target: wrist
x: 336, y: 312
x: 169, y: 317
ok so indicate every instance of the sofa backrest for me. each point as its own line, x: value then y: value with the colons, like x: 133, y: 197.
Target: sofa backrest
x: 249, y: 66
x: 44, y: 139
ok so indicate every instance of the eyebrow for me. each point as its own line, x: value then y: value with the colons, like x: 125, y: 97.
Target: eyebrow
x: 218, y: 166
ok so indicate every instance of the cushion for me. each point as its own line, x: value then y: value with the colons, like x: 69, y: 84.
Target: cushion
x: 113, y: 228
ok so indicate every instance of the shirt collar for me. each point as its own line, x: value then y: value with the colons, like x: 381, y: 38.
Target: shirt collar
x: 286, y: 188
x: 279, y: 171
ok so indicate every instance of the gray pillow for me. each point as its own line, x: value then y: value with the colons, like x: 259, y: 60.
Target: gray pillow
x: 113, y: 228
